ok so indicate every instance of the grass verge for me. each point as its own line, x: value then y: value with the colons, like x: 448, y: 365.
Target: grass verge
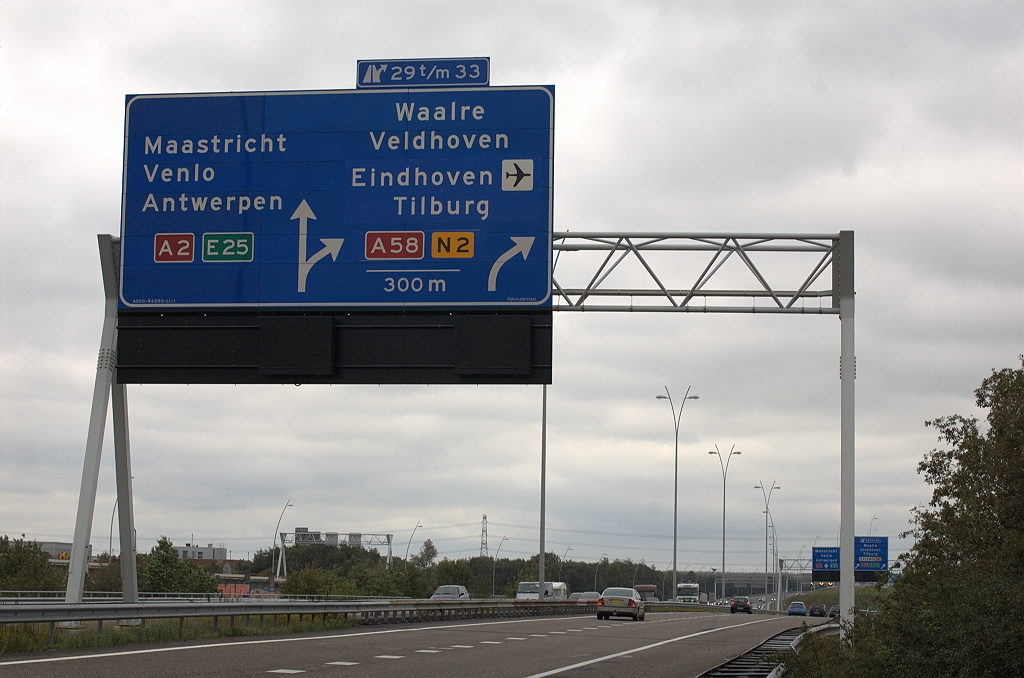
x: 16, y: 638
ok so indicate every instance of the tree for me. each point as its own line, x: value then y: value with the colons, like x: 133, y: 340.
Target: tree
x: 26, y: 567
x: 163, y: 571
x: 958, y: 608
x: 426, y: 557
x: 105, y: 578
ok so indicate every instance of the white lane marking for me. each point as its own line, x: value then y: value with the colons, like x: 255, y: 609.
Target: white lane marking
x: 429, y: 651
x: 589, y: 628
x: 265, y: 641
x: 490, y: 642
x: 515, y: 639
x: 286, y: 671
x: 555, y: 672
x: 538, y: 635
x: 608, y: 627
x: 575, y: 630
x: 390, y: 656
x: 558, y: 633
x: 465, y: 647
x: 342, y: 664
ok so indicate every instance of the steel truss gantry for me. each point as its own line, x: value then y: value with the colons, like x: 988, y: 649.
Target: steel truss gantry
x: 646, y: 276
x: 629, y: 272
x: 773, y: 273
x: 354, y: 539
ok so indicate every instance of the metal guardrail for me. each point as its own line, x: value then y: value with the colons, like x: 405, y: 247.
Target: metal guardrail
x: 701, y: 607
x: 29, y: 596
x: 365, y: 612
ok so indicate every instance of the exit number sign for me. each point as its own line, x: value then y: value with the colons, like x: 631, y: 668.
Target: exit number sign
x: 227, y: 246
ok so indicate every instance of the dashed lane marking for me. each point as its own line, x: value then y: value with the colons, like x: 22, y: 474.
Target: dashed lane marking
x: 490, y: 642
x: 342, y: 664
x: 464, y: 647
x: 286, y: 671
x: 557, y: 633
x: 390, y: 656
x: 515, y: 639
x: 629, y: 653
x: 538, y: 635
x: 288, y: 639
x: 429, y: 651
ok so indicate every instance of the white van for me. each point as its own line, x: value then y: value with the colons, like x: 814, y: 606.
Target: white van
x: 553, y: 590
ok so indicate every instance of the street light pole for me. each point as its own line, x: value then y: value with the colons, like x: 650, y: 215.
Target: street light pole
x: 635, y: 569
x: 725, y: 472
x: 405, y: 565
x: 280, y: 518
x: 562, y: 562
x: 675, y: 482
x: 494, y: 566
x: 598, y: 568
x: 767, y: 499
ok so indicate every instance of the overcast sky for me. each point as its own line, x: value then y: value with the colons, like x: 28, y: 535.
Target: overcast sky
x: 899, y: 120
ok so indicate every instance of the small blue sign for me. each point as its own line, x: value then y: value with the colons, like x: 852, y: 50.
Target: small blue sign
x: 825, y: 558
x: 870, y: 554
x: 405, y: 73
x: 341, y: 198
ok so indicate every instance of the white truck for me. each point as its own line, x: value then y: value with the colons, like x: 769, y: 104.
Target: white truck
x: 553, y: 590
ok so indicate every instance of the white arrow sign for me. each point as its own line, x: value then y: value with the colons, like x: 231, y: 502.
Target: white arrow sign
x: 523, y: 245
x: 331, y: 245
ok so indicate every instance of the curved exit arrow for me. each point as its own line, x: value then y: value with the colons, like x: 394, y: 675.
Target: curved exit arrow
x: 523, y: 246
x: 332, y: 246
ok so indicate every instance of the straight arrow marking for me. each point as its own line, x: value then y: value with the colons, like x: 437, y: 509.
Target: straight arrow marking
x: 523, y: 246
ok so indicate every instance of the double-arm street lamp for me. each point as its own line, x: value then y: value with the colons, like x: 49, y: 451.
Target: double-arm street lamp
x: 676, y: 416
x: 276, y: 530
x: 724, y: 463
x: 767, y: 498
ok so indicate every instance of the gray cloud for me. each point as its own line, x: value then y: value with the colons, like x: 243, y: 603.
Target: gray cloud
x: 901, y: 121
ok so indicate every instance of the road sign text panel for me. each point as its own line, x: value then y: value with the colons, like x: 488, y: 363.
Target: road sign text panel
x: 280, y: 192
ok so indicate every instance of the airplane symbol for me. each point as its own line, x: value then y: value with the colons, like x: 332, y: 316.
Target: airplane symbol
x: 517, y: 174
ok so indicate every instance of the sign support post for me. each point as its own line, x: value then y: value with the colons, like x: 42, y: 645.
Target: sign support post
x: 847, y: 375
x: 543, y: 485
x: 106, y: 389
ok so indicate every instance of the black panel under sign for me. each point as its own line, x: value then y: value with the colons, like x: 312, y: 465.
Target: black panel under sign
x: 334, y: 347
x: 492, y: 344
x: 299, y: 345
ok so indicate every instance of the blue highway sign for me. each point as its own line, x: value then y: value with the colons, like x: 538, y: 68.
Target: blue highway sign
x: 870, y: 553
x: 392, y: 73
x: 825, y: 558
x: 343, y: 198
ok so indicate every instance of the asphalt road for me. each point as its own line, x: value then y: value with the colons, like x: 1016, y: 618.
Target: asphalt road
x: 667, y: 644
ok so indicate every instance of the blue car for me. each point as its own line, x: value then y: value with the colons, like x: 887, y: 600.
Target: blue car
x: 798, y: 608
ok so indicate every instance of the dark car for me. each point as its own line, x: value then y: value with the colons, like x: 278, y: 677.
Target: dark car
x: 833, y: 612
x: 797, y: 608
x: 817, y: 610
x: 740, y: 604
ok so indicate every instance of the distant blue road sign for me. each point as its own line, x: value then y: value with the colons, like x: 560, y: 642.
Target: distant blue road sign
x: 825, y: 558
x: 870, y: 554
x: 345, y: 198
x: 404, y: 73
